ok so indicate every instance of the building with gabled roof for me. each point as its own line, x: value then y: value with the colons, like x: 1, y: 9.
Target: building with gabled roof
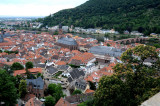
x: 74, y: 100
x: 51, y: 70
x: 36, y: 87
x: 82, y: 59
x: 81, y: 85
x: 75, y: 74
x: 95, y: 76
x: 34, y: 102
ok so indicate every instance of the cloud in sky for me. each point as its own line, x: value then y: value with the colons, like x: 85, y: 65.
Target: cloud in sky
x: 35, y: 7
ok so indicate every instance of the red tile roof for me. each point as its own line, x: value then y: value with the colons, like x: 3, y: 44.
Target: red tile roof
x: 76, y: 52
x: 61, y: 63
x: 95, y: 76
x: 35, y: 70
x: 63, y: 102
x: 89, y: 91
x: 84, y: 58
x: 19, y: 72
x: 28, y: 96
x: 34, y: 102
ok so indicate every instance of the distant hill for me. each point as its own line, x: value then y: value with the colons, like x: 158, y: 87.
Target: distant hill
x: 141, y: 15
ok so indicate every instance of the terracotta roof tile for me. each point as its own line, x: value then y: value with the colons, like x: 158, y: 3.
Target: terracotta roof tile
x: 89, y: 91
x: 35, y: 70
x: 34, y: 102
x: 63, y: 102
x: 19, y: 72
x: 84, y: 58
x: 95, y: 76
x: 61, y: 63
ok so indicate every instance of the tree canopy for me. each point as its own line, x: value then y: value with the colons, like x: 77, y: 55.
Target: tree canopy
x: 153, y: 42
x: 50, y: 101
x: 17, y: 66
x: 76, y: 92
x: 55, y: 33
x: 8, y: 91
x: 22, y: 88
x: 133, y: 81
x: 140, y: 15
x: 8, y: 69
x: 55, y: 91
x: 29, y: 65
x: 92, y: 85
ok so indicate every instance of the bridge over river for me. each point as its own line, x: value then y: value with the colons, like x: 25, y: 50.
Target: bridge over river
x: 132, y: 40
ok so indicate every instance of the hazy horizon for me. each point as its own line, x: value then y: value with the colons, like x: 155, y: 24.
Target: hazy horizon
x: 1, y: 16
x: 35, y: 8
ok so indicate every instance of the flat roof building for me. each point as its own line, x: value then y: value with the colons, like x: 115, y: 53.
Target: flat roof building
x: 105, y: 50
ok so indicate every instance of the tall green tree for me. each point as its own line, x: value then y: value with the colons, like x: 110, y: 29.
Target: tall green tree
x: 76, y: 92
x: 29, y: 65
x: 29, y: 74
x: 22, y: 88
x: 50, y: 101
x: 111, y: 92
x: 133, y: 81
x: 55, y: 91
x: 55, y: 33
x: 8, y: 91
x: 18, y: 79
x: 40, y: 75
x: 17, y: 66
x: 108, y: 44
x: 87, y: 103
x: 92, y: 85
x: 8, y: 69
x: 51, y: 88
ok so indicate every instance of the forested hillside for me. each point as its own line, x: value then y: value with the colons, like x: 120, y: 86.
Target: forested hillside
x: 141, y: 15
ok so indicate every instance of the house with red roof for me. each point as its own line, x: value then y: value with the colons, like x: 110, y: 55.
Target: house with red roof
x: 89, y: 91
x: 82, y: 59
x: 19, y: 72
x: 60, y: 63
x: 34, y: 102
x: 23, y: 72
x: 95, y: 76
x: 74, y: 100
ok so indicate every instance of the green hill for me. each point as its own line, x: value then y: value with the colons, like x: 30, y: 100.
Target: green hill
x: 141, y: 15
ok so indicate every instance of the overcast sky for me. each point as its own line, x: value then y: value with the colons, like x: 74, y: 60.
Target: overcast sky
x: 35, y: 7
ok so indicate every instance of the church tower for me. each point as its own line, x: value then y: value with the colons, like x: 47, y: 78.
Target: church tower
x: 60, y: 29
x: 2, y: 35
